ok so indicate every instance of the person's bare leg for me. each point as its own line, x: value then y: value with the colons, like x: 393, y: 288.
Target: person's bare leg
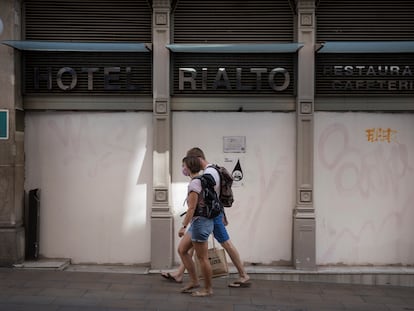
x: 178, y: 274
x: 201, y: 249
x: 235, y: 258
x: 184, y: 251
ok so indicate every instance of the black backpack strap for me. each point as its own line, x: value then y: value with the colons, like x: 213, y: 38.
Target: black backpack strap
x: 208, y: 180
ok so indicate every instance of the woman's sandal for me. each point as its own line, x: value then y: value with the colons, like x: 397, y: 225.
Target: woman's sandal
x: 201, y: 293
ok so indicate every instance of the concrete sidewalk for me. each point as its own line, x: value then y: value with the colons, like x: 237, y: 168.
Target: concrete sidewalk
x: 364, y: 275
x: 72, y: 289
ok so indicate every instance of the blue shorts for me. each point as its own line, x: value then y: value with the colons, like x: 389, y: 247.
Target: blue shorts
x: 201, y: 228
x: 220, y: 231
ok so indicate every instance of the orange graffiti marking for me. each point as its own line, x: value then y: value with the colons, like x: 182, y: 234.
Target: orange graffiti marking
x: 380, y: 135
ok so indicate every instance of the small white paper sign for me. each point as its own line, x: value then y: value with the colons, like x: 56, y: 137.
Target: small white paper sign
x: 234, y: 144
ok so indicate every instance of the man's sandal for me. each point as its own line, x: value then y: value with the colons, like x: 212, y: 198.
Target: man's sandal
x: 170, y: 277
x: 239, y: 284
x: 189, y: 289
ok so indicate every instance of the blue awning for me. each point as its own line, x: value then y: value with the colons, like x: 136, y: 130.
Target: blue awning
x: 367, y: 47
x: 236, y: 48
x: 28, y: 45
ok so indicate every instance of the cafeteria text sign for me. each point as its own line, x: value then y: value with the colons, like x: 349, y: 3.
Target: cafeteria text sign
x: 369, y: 77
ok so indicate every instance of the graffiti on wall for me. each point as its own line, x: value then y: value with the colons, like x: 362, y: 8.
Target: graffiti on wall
x: 367, y: 171
x: 380, y: 134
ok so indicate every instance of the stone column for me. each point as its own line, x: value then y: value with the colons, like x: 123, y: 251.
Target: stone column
x: 304, y: 248
x: 12, y: 240
x: 162, y: 242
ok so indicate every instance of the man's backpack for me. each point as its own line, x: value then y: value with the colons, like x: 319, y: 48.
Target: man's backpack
x: 209, y: 204
x: 226, y: 181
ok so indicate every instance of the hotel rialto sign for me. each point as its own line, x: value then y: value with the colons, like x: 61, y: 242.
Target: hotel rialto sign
x: 66, y: 78
x: 131, y: 73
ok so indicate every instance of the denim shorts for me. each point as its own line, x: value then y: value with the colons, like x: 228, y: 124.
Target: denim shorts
x: 220, y: 232
x: 201, y: 228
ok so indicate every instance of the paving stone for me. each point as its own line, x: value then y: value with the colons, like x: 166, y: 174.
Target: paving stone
x: 26, y: 307
x: 31, y: 300
x: 207, y: 305
x: 365, y: 307
x: 398, y: 291
x: 403, y: 307
x: 11, y: 291
x: 83, y: 276
x: 77, y: 301
x: 383, y: 299
x: 78, y: 308
x: 63, y: 292
x: 137, y: 304
x: 128, y: 288
x: 45, y: 284
x: 342, y: 298
x: 258, y: 301
x: 88, y: 285
x: 260, y: 308
x: 172, y: 305
x: 307, y: 297
x: 324, y: 306
x: 103, y: 294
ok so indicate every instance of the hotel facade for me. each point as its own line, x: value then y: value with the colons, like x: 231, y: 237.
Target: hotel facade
x: 309, y: 104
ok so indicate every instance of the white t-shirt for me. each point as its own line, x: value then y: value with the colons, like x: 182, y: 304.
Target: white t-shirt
x: 194, y: 185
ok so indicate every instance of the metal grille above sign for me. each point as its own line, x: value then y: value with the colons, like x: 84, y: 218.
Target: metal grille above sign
x: 227, y: 21
x: 365, y: 20
x: 92, y: 20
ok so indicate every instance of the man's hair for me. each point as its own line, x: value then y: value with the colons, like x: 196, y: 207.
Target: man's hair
x: 193, y: 164
x: 196, y: 152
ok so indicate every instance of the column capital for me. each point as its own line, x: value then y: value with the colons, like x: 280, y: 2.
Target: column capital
x: 161, y: 106
x: 161, y: 4
x: 305, y: 4
x: 305, y: 106
x: 306, y: 20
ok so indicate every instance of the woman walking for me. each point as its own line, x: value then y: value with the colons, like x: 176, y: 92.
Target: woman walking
x: 201, y: 228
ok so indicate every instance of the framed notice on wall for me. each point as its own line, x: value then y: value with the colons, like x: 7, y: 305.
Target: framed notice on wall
x: 234, y: 144
x: 4, y: 124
